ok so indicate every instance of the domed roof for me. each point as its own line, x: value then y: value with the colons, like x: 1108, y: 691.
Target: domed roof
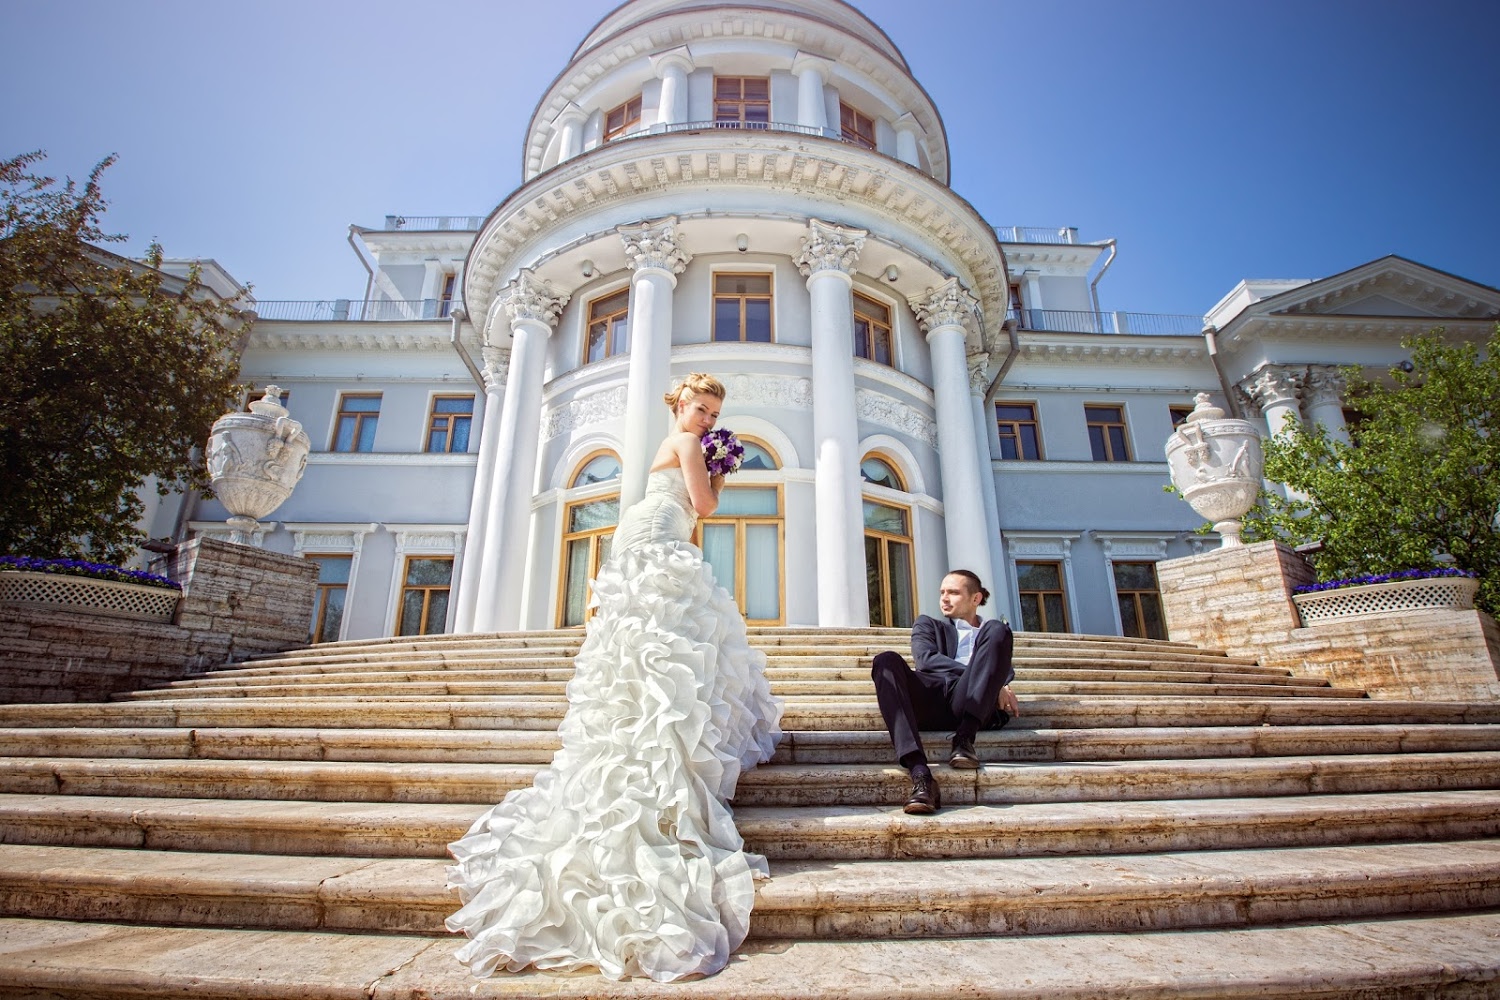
x: 833, y: 12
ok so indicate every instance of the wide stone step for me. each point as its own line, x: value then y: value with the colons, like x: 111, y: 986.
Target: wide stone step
x: 771, y: 785
x: 802, y: 900
x: 524, y: 714
x: 1410, y: 957
x: 530, y: 747
x: 391, y: 829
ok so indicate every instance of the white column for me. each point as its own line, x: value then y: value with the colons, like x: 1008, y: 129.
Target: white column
x: 1323, y: 393
x: 569, y: 122
x: 908, y: 132
x: 496, y: 366
x: 653, y: 252
x: 984, y: 430
x: 944, y: 313
x: 533, y: 306
x: 673, y: 67
x: 1274, y: 389
x: 829, y: 255
x: 812, y: 105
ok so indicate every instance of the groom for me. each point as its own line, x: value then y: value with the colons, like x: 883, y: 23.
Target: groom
x: 961, y: 683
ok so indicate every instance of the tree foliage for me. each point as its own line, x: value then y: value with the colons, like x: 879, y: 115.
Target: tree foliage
x: 1420, y: 481
x: 110, y: 371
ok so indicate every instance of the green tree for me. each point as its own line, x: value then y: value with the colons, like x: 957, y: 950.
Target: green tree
x: 110, y: 371
x: 1420, y: 480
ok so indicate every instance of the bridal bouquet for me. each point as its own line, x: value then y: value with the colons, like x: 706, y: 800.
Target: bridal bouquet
x: 722, y: 451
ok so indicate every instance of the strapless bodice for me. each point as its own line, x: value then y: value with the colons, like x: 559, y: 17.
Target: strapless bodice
x: 664, y: 514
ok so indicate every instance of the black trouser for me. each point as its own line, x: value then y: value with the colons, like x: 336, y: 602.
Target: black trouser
x: 914, y: 700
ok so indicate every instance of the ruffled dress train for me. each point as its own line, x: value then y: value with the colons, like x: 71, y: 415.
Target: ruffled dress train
x: 623, y: 855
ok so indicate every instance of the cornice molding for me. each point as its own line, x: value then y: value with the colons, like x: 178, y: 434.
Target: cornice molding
x: 1351, y: 329
x: 1134, y: 349
x: 353, y: 335
x: 379, y: 458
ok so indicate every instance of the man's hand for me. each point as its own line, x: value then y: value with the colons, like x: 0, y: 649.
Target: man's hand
x: 1008, y: 703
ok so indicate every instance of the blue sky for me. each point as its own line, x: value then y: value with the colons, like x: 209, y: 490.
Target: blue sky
x: 1215, y: 140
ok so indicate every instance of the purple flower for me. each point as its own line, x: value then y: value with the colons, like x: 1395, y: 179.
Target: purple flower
x: 1360, y: 581
x: 78, y: 567
x: 722, y: 451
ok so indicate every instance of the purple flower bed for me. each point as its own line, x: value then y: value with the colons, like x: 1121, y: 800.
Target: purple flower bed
x: 1360, y: 581
x: 77, y: 567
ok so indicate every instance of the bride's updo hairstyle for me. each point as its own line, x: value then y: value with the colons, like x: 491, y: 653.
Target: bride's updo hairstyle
x: 695, y: 384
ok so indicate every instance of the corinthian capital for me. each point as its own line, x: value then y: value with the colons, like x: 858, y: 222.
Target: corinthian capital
x: 654, y: 246
x: 496, y: 368
x: 979, y: 373
x: 531, y: 298
x: 827, y: 247
x: 949, y: 304
x: 1272, y: 384
x: 1325, y: 385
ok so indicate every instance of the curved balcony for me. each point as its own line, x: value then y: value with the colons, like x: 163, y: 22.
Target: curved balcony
x: 738, y: 126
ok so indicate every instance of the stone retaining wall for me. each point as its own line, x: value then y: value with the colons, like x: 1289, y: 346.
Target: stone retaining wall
x: 1240, y: 600
x: 237, y: 602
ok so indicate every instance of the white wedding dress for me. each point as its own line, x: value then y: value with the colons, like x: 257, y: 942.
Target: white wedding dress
x: 623, y: 855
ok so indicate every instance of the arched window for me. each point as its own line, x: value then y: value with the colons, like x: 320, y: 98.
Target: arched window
x: 889, y: 568
x: 758, y: 457
x: 588, y: 529
x: 878, y: 471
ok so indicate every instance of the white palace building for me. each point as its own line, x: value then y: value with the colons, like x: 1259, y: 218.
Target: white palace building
x: 760, y: 190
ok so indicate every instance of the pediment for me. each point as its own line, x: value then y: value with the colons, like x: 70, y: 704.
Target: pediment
x: 1388, y: 287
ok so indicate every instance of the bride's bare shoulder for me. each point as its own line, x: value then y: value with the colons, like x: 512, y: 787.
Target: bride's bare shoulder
x: 676, y: 445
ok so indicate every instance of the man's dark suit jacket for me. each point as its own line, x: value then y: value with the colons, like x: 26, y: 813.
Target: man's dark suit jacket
x: 934, y: 641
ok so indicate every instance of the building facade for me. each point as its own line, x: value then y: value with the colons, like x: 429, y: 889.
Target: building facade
x: 760, y: 190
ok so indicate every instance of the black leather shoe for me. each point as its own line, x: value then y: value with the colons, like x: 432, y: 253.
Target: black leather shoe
x: 925, y: 797
x: 963, y: 755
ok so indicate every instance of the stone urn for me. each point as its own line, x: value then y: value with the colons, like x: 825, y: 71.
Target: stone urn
x: 1217, y: 464
x: 254, y: 460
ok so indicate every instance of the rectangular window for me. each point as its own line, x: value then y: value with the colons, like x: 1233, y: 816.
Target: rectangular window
x: 1016, y: 309
x: 1179, y: 414
x: 448, y: 424
x: 1044, y: 607
x: 354, y: 429
x: 333, y: 587
x: 742, y: 101
x: 742, y: 307
x: 1019, y: 435
x: 856, y: 128
x: 609, y: 327
x: 1140, y: 600
x: 618, y: 121
x: 586, y: 544
x: 872, y: 330
x: 424, y: 595
x: 743, y: 543
x: 1107, y: 433
x: 445, y: 301
x: 889, y: 579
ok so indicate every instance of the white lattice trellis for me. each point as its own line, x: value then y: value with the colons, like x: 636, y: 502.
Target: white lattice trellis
x: 1453, y: 593
x: 60, y: 592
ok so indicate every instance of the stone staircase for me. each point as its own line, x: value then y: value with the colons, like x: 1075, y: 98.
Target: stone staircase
x: 1163, y: 821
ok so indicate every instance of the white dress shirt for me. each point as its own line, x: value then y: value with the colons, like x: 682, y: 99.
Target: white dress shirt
x: 966, y: 635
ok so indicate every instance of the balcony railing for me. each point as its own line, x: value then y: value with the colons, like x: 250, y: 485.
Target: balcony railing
x: 709, y: 126
x: 434, y: 223
x: 1036, y: 234
x: 1080, y: 321
x: 355, y: 310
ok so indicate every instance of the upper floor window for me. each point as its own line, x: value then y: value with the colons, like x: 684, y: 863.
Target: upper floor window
x: 742, y: 101
x: 878, y: 471
x: 449, y: 422
x: 1179, y: 414
x: 1019, y: 433
x: 758, y: 457
x: 602, y: 468
x: 445, y: 301
x: 856, y: 128
x: 742, y: 307
x: 354, y: 428
x: 620, y: 120
x: 872, y: 330
x: 609, y: 327
x: 1107, y: 433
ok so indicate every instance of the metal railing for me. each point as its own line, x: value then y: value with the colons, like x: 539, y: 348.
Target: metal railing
x: 434, y: 223
x: 1082, y: 321
x: 1036, y: 234
x: 353, y: 310
x: 707, y: 126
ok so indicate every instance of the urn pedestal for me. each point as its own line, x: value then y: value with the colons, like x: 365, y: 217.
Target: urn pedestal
x: 254, y: 461
x: 1217, y: 465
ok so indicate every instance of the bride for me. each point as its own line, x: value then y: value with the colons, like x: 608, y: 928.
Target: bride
x: 623, y: 854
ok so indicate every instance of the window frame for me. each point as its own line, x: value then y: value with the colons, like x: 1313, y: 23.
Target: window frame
x: 854, y: 135
x: 1136, y: 595
x: 611, y: 348
x: 322, y: 595
x: 875, y: 324
x: 740, y: 523
x: 1178, y: 412
x: 1123, y: 424
x: 884, y: 540
x: 741, y: 103
x: 433, y: 416
x: 595, y: 539
x: 448, y: 294
x: 715, y: 296
x: 359, y: 417
x: 1035, y: 423
x: 627, y: 122
x: 889, y: 463
x: 427, y: 591
x: 1061, y: 592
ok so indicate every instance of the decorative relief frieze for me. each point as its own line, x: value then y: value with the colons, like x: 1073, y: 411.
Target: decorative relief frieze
x: 898, y: 416
x: 654, y: 245
x: 531, y: 298
x: 949, y: 304
x: 828, y: 247
x: 595, y: 408
x: 786, y: 392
